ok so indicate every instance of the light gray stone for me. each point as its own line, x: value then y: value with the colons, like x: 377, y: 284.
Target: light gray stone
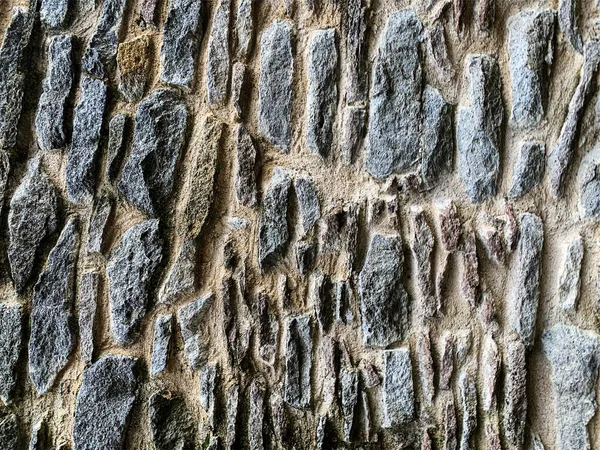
x: 100, y: 214
x: 181, y: 278
x: 10, y: 436
x: 588, y: 181
x: 353, y: 128
x: 88, y: 305
x: 208, y: 391
x: 467, y: 390
x: 569, y: 281
x: 217, y: 62
x: 515, y: 393
x: 422, y: 242
x: 244, y: 29
x: 308, y: 202
x: 147, y: 17
x: 398, y: 390
x: 528, y: 169
x: 115, y: 151
x: 425, y: 368
x: 490, y: 368
x: 349, y: 399
x: 54, y: 12
x: 256, y: 417
x: 11, y: 341
x: 245, y: 174
x: 355, y: 64
x: 171, y: 423
x: 163, y: 327
x: 193, y: 320
x: 233, y: 398
x: 238, y: 84
x: 567, y: 21
x: 297, y: 388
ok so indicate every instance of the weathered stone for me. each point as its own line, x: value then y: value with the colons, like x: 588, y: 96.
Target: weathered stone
x: 446, y: 367
x: 244, y: 29
x: 100, y: 213
x: 588, y: 181
x: 395, y: 97
x: 193, y: 320
x: 148, y: 175
x: 422, y: 242
x: 353, y: 127
x: 133, y: 66
x: 181, y: 278
x: 327, y: 373
x: 238, y: 83
x: 273, y: 233
x: 322, y: 92
x: 181, y: 40
x: 245, y: 174
x: 479, y: 128
x: 342, y: 293
x: 171, y: 424
x: 569, y: 281
x: 490, y: 363
x: 147, y: 16
x: 217, y: 62
x: 39, y: 436
x: 100, y: 54
x: 49, y: 120
x: 308, y: 202
x: 528, y: 169
x: 163, y: 328
x: 131, y: 268
x: 460, y: 7
x: 320, y: 297
x: 349, y: 399
x: 467, y: 390
x: 84, y: 153
x: 384, y: 301
x: 104, y: 402
x: 492, y: 238
x: 54, y: 12
x: 450, y: 426
x: 275, y: 85
x: 425, y: 367
x: 208, y: 391
x: 486, y: 14
x: 515, y: 393
x: 437, y: 141
x: 11, y: 340
x: 356, y: 76
x: 256, y: 417
x: 450, y: 226
x: 269, y: 330
x: 297, y: 390
x: 398, y: 391
x: 470, y: 282
x: 567, y: 21
x: 233, y: 395
x: 10, y: 436
x: 115, y: 152
x: 530, y: 36
x: 437, y: 52
x: 464, y: 343
x: 88, y: 304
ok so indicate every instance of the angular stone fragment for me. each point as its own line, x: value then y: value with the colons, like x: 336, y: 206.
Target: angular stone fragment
x: 384, y: 301
x: 486, y: 13
x: 422, y: 242
x: 116, y: 137
x: 273, y: 233
x: 526, y: 296
x: 349, y: 399
x: 99, y: 56
x: 356, y: 76
x: 569, y: 281
x: 437, y: 52
x: 181, y: 278
x: 11, y: 339
x: 308, y: 202
x: 450, y: 226
x: 133, y: 65
x: 528, y: 169
x: 588, y: 181
x: 479, y: 128
x: 530, y: 36
x: 470, y: 282
x: 567, y: 21
x: 148, y: 175
x: 322, y: 92
x: 193, y: 320
x: 49, y: 120
x: 467, y: 390
x: 256, y: 417
x: 83, y: 155
x: 245, y: 174
x: 238, y: 82
x: 395, y: 97
x: 217, y: 62
x: 181, y: 40
x: 52, y: 332
x: 104, y: 402
x: 353, y: 126
x: 147, y: 16
x: 450, y: 427
x: 131, y: 269
x: 398, y: 391
x: 425, y: 367
x: 297, y: 389
x: 446, y: 365
x: 10, y: 436
x: 275, y: 85
x: 233, y: 395
x: 98, y: 220
x: 54, y: 12
x: 208, y: 391
x: 515, y: 393
x: 88, y: 303
x: 244, y: 29
x: 163, y: 328
x: 171, y: 424
x: 490, y: 363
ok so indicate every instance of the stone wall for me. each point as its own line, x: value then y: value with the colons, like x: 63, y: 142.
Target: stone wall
x: 299, y: 224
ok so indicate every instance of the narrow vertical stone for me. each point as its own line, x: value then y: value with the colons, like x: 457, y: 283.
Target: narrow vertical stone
x: 308, y: 202
x: 528, y: 169
x: 422, y: 242
x: 569, y: 280
x: 116, y: 136
x: 181, y: 278
x: 193, y: 321
x: 163, y: 328
x: 233, y: 396
x: 217, y: 63
x: 245, y: 174
x: 98, y: 221
x: 356, y: 30
x: 244, y: 29
x: 490, y: 363
x: 208, y: 391
x: 88, y: 303
x: 349, y: 399
x: 425, y: 367
x: 515, y: 393
x: 353, y: 125
x: 256, y: 417
x: 468, y: 401
x: 133, y: 67
x: 398, y: 391
x: 297, y: 390
x: 567, y: 21
x: 11, y: 341
x: 238, y: 84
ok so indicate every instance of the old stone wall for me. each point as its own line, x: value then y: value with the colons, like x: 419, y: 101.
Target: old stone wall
x: 299, y: 224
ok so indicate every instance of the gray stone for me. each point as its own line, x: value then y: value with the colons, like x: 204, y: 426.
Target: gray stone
x: 52, y: 329
x: 148, y: 175
x: 181, y: 40
x: 238, y: 82
x: 208, y: 391
x: 437, y: 140
x: 530, y: 36
x: 356, y: 74
x: 32, y: 217
x: 398, y: 391
x: 217, y: 62
x: 101, y: 51
x: 233, y: 398
x: 147, y: 17
x: 450, y: 427
x: 446, y: 364
x: 100, y: 213
x: 425, y: 368
x: 479, y: 128
x: 470, y: 280
x: 115, y: 151
x: 349, y: 399
x: 193, y: 320
x: 275, y: 85
x: 171, y: 423
x: 437, y: 52
x: 515, y: 393
x: 163, y: 327
x: 256, y: 417
x: 588, y: 181
x: 131, y: 269
x: 268, y: 331
x: 84, y: 153
x: 567, y: 21
x: 297, y: 389
x: 528, y: 169
x: 134, y: 60
x: 322, y: 92
x: 88, y: 304
x: 526, y: 296
x: 353, y: 128
x: 490, y: 368
x: 384, y: 301
x: 395, y: 97
x: 308, y: 202
x: 467, y: 390
x: 50, y: 117
x: 104, y: 402
x: 244, y: 29
x: 181, y: 278
x: 273, y: 233
x: 569, y: 280
x: 10, y: 436
x: 11, y: 341
x: 54, y: 12
x: 422, y: 242
x: 39, y: 436
x: 245, y: 174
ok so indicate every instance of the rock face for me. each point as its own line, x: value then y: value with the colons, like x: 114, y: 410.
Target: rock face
x: 437, y: 143
x: 528, y: 169
x: 217, y: 64
x: 398, y: 390
x: 297, y: 389
x: 193, y: 320
x: 11, y: 339
x: 567, y: 18
x: 171, y: 423
x: 98, y: 220
x: 208, y: 387
x: 515, y: 393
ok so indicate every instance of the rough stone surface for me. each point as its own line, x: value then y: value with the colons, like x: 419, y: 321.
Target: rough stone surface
x: 355, y: 69
x: 297, y: 389
x: 528, y: 169
x: 87, y: 307
x: 567, y: 21
x: 257, y: 416
x: 569, y: 281
x: 352, y: 133
x: 422, y: 242
x: 398, y: 390
x: 163, y: 328
x: 308, y: 202
x: 98, y: 221
x: 349, y: 399
x: 9, y: 431
x: 11, y: 341
x: 588, y: 181
x: 171, y: 423
x: 245, y: 175
x: 468, y: 400
x: 54, y: 12
x: 133, y: 66
x: 208, y: 386
x: 181, y: 278
x: 193, y: 319
x: 244, y: 29
x: 114, y: 156
x: 238, y: 88
x: 217, y: 64
x: 515, y: 393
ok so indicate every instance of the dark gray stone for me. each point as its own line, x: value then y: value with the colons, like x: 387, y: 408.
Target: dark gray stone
x: 193, y: 320
x: 446, y: 364
x: 11, y: 341
x: 54, y: 12
x: 83, y: 156
x: 52, y: 329
x: 256, y: 417
x: 88, y: 304
x: 479, y: 128
x: 4, y: 172
x: 233, y: 398
x: 515, y: 393
x: 384, y: 301
x: 131, y: 268
x: 134, y: 60
x: 308, y: 202
x: 322, y: 92
x: 245, y: 174
x: 238, y: 82
x: 353, y: 128
x: 569, y: 281
x: 104, y: 402
x: 217, y: 62
x: 115, y: 152
x: 398, y: 391
x: 244, y: 29
x: 422, y: 248
x: 297, y: 389
x: 100, y: 213
x: 356, y: 74
x: 10, y: 436
x: 148, y: 175
x: 50, y: 117
x: 467, y: 390
x: 567, y: 21
x: 275, y: 85
x: 181, y: 278
x: 395, y: 97
x: 171, y: 424
x: 208, y: 391
x: 349, y: 399
x: 181, y: 40
x: 342, y: 292
x: 268, y: 331
x: 528, y: 169
x: 588, y: 181
x: 163, y: 328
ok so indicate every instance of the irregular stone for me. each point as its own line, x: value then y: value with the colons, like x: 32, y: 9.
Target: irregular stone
x: 322, y: 92
x: 39, y: 436
x: 269, y: 330
x: 353, y: 128
x: 356, y: 75
x: 104, y: 402
x: 567, y: 21
x: 163, y: 329
x: 589, y: 185
x: 275, y: 85
x: 273, y: 233
x: 569, y: 280
x: 50, y: 117
x: 256, y: 417
x: 147, y: 16
x: 349, y: 399
x: 450, y: 426
x: 308, y: 202
x: 131, y: 269
x: 133, y: 67
x: 244, y: 29
x: 425, y: 367
x: 208, y: 388
x: 52, y: 335
x: 561, y: 155
x: 115, y: 152
x: 88, y: 303
x: 470, y: 282
x: 528, y: 169
x: 181, y: 279
x: 101, y: 51
x: 450, y: 226
x: 32, y: 217
x: 437, y: 52
x: 490, y: 363
x: 171, y: 424
x: 297, y: 390
x: 217, y: 62
x: 320, y: 296
x: 98, y: 220
x: 193, y: 320
x: 479, y: 128
x: 10, y: 437
x: 464, y: 343
x: 245, y: 174
x: 238, y: 82
x: 486, y: 14
x: 446, y: 367
x: 422, y: 242
x: 526, y: 296
x: 181, y: 39
x: 158, y: 139
x: 83, y: 155
x: 493, y: 240
x: 233, y: 395
x: 11, y: 341
x: 342, y: 291
x: 395, y: 97
x: 54, y: 12
x: 467, y: 390
x: 398, y: 391
x: 328, y: 373
x: 384, y: 301
x: 530, y: 36
x: 515, y: 393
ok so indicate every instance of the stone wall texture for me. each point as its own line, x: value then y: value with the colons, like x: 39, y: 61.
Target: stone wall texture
x: 299, y: 224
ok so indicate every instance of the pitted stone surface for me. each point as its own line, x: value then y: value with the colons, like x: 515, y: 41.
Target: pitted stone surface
x: 398, y: 389
x: 297, y: 390
x: 163, y: 328
x: 217, y: 64
x: 193, y: 320
x: 11, y: 341
x: 171, y: 423
x: 133, y: 67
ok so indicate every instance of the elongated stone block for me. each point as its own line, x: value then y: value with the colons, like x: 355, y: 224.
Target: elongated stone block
x: 355, y: 64
x: 244, y: 29
x: 308, y: 202
x: 193, y: 320
x: 588, y: 182
x: 567, y: 21
x: 208, y: 391
x: 245, y: 174
x: 163, y: 328
x: 398, y: 390
x: 181, y: 278
x: 528, y: 169
x: 88, y: 305
x: 515, y: 393
x: 297, y: 389
x: 217, y: 63
x: 116, y: 137
x: 133, y: 67
x: 98, y: 221
x: 569, y: 281
x: 11, y: 341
